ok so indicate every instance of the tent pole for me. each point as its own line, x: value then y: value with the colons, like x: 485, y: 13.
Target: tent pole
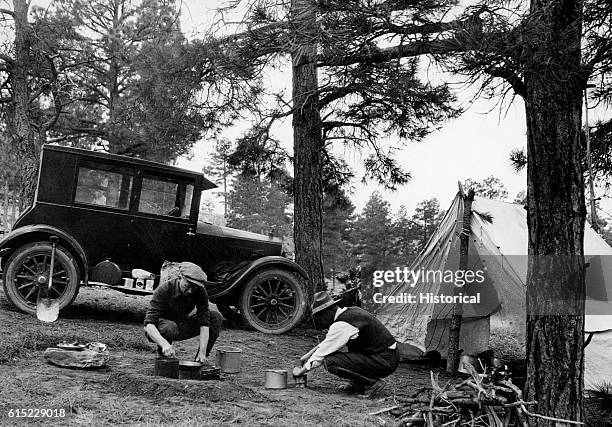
x: 454, y: 332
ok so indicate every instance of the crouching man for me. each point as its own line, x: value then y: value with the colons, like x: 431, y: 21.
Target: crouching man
x: 168, y: 317
x: 372, y: 350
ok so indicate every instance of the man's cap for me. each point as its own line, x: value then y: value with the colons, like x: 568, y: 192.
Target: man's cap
x: 321, y: 301
x: 192, y: 273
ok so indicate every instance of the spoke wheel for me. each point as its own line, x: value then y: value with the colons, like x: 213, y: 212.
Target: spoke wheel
x: 29, y: 267
x: 273, y: 301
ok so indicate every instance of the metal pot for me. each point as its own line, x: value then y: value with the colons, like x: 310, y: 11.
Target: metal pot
x: 276, y: 379
x: 190, y: 370
x: 496, y: 362
x: 166, y: 367
x: 228, y: 359
x: 467, y: 360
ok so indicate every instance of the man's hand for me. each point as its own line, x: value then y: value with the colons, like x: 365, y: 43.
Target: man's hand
x: 201, y: 357
x: 168, y: 350
x: 299, y: 371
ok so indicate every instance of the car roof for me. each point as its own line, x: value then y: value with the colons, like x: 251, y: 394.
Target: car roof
x: 207, y: 185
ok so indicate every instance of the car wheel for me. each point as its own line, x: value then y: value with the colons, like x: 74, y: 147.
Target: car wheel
x: 29, y: 266
x: 273, y: 301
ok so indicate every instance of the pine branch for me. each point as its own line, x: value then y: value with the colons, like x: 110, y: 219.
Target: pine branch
x: 377, y: 55
x: 7, y: 12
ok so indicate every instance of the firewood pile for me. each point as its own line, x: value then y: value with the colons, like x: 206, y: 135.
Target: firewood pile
x: 481, y: 400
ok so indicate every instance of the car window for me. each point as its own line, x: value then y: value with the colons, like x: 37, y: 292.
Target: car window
x: 161, y: 196
x: 103, y: 187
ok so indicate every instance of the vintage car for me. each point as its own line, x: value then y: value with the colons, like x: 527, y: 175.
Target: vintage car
x: 104, y: 215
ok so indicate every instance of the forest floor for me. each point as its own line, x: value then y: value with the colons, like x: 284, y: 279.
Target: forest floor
x: 125, y: 392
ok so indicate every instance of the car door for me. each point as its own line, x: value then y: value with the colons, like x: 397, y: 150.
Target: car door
x: 162, y: 220
x: 99, y: 216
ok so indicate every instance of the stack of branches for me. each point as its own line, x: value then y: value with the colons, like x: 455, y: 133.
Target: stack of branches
x: 480, y: 400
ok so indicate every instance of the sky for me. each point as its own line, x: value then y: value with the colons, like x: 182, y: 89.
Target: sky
x: 475, y: 145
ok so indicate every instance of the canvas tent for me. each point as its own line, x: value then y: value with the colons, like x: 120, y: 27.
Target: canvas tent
x: 498, y: 247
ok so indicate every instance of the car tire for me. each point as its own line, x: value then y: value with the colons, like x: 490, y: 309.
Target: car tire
x: 32, y: 260
x: 273, y: 301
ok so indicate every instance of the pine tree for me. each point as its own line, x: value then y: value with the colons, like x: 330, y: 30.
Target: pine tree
x: 337, y: 223
x: 427, y: 217
x: 259, y: 206
x: 373, y: 242
x: 490, y: 188
x: 218, y: 167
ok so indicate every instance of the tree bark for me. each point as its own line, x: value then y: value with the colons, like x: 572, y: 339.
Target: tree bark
x: 307, y: 145
x: 556, y: 214
x: 454, y: 332
x: 25, y: 140
x: 112, y: 130
x: 5, y: 223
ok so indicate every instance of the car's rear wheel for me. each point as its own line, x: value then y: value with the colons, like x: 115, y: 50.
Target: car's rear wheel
x: 273, y: 301
x: 29, y: 267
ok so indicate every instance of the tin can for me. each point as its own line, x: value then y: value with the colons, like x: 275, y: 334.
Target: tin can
x: 276, y: 379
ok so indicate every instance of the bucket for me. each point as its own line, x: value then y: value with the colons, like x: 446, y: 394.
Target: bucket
x: 228, y: 359
x: 276, y: 379
x: 166, y: 367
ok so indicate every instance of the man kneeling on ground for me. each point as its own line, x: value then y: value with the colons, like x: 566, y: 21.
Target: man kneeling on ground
x: 372, y: 350
x: 168, y: 317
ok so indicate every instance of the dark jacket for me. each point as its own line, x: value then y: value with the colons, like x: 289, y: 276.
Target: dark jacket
x: 169, y: 303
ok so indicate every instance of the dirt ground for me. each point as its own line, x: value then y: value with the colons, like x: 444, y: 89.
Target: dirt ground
x: 126, y: 392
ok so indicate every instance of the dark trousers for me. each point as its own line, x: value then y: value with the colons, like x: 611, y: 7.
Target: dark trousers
x: 360, y: 368
x: 189, y: 328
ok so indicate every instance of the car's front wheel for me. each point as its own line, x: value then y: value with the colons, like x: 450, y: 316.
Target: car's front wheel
x: 29, y: 267
x: 273, y: 301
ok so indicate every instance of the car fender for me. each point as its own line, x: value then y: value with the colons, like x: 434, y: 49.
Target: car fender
x: 20, y: 236
x: 258, y: 265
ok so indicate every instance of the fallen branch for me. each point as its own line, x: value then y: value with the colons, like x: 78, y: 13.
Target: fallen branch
x: 382, y: 411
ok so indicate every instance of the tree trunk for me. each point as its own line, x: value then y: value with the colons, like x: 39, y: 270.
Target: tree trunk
x: 5, y: 222
x: 25, y: 140
x: 454, y: 332
x: 556, y: 214
x: 113, y: 133
x: 307, y: 145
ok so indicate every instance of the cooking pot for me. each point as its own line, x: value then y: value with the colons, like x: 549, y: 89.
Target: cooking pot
x: 496, y: 362
x: 276, y: 379
x: 190, y: 370
x: 467, y: 361
x: 166, y: 367
x: 228, y: 359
